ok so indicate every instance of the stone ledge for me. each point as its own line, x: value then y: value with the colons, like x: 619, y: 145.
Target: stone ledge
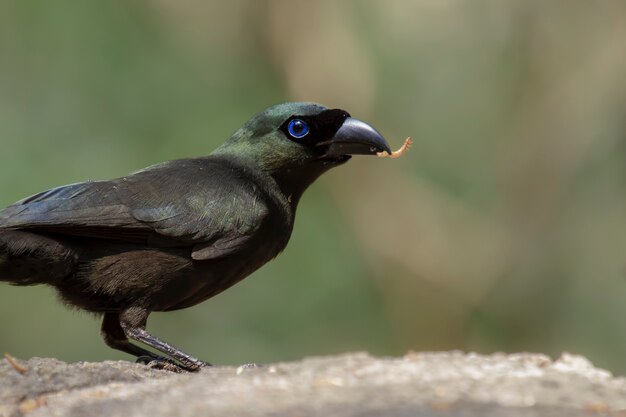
x: 418, y: 384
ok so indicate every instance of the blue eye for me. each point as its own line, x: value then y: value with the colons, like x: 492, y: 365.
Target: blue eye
x: 298, y: 128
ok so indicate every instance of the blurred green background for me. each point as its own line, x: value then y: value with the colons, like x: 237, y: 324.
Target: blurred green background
x: 504, y: 229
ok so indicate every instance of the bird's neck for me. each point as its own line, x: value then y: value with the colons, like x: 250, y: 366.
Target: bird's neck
x: 293, y: 181
x: 284, y: 198
x: 286, y: 183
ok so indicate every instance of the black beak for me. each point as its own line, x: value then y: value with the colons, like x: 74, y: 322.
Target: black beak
x: 355, y: 137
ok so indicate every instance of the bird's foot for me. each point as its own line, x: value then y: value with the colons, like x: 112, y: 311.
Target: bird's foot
x: 197, y: 365
x: 168, y: 364
x: 161, y: 363
x: 146, y: 359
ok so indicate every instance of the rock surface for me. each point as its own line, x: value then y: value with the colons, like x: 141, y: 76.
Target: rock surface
x: 418, y: 384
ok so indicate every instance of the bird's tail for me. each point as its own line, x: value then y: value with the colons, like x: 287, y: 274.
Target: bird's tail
x: 30, y: 259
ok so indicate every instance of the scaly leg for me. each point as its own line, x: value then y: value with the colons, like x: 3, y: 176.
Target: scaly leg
x: 133, y: 323
x: 115, y: 338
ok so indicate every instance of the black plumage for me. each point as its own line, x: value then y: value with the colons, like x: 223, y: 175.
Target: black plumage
x: 177, y: 233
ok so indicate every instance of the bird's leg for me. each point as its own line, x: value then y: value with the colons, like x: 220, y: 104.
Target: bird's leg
x: 115, y: 338
x: 133, y: 323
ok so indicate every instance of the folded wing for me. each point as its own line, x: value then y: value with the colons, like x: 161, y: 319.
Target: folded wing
x: 197, y: 203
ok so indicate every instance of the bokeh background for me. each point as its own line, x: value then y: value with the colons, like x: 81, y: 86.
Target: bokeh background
x: 504, y: 229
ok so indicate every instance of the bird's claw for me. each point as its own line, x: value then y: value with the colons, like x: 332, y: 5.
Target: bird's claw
x: 166, y: 365
x: 161, y: 363
x: 198, y: 365
x: 146, y: 359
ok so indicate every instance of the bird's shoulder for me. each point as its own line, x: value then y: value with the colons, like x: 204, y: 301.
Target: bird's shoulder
x: 215, y: 191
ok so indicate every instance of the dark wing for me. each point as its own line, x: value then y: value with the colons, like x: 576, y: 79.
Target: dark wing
x: 196, y: 202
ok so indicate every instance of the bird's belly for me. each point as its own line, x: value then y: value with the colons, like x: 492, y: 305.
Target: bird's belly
x: 209, y: 278
x: 163, y: 279
x: 113, y: 278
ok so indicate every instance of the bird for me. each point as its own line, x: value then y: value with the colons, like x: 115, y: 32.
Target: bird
x: 177, y: 233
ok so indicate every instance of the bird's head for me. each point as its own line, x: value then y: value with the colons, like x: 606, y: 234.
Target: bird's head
x: 296, y: 142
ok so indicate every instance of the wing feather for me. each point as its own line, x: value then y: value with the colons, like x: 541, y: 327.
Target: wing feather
x: 180, y: 203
